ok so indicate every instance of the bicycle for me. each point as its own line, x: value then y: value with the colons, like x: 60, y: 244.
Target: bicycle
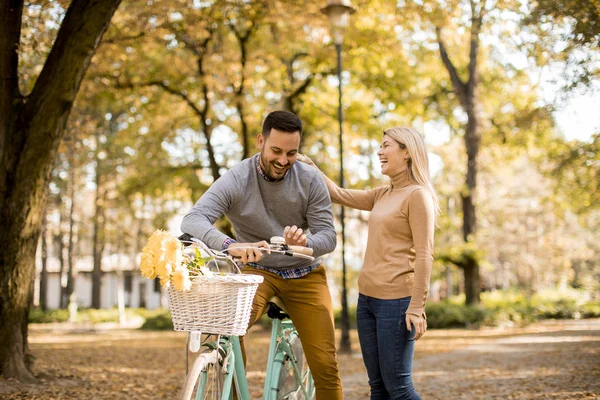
x: 219, y: 367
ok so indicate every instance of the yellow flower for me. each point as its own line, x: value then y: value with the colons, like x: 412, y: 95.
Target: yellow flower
x: 147, y: 265
x: 181, y: 279
x: 163, y: 268
x: 155, y: 241
x: 164, y: 281
x: 163, y: 257
x: 173, y: 252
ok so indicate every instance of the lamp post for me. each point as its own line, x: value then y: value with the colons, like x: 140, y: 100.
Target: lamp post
x: 339, y: 15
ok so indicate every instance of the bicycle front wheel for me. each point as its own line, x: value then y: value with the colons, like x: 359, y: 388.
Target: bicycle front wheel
x: 206, y: 378
x: 291, y: 386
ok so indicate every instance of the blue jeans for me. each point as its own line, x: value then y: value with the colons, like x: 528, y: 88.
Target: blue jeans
x: 387, y: 347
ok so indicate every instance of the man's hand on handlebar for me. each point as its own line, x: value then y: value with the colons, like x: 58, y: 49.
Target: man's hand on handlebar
x: 246, y: 254
x: 294, y: 236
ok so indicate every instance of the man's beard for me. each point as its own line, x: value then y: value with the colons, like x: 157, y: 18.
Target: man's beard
x: 269, y: 169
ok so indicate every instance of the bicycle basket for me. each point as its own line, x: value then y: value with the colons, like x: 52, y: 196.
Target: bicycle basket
x: 218, y: 304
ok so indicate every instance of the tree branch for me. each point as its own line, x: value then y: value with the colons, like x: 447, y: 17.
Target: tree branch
x: 190, y: 43
x: 120, y: 39
x: 164, y: 86
x: 56, y: 88
x: 457, y: 83
x: 10, y: 33
x: 476, y: 22
x: 300, y: 90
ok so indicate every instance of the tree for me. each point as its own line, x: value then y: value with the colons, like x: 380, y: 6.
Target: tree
x: 437, y: 18
x: 575, y: 166
x: 577, y: 43
x: 31, y: 129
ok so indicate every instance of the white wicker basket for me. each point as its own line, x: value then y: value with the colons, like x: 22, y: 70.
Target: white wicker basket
x: 219, y: 304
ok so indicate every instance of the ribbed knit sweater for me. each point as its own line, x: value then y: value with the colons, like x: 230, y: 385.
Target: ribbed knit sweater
x: 399, y: 254
x: 259, y: 210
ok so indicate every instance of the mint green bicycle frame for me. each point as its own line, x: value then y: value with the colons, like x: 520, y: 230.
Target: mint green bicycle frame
x: 279, y: 349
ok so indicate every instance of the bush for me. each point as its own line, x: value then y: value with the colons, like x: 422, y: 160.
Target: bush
x: 591, y: 310
x: 89, y: 315
x: 337, y: 316
x: 157, y: 320
x: 511, y: 307
x: 561, y: 309
x: 38, y: 316
x: 447, y: 314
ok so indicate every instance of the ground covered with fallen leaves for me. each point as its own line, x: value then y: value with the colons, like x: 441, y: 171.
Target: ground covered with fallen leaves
x: 548, y: 360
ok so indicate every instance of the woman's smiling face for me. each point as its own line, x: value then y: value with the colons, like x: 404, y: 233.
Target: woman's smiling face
x: 392, y: 155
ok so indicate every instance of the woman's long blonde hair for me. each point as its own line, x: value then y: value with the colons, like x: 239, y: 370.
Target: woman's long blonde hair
x: 418, y: 164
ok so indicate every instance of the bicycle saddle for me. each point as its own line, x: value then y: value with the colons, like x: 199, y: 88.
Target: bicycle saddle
x: 276, y: 309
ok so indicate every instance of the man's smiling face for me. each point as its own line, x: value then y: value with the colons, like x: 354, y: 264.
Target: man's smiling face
x: 278, y: 152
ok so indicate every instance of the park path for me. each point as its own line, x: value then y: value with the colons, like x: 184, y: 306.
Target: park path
x: 548, y: 360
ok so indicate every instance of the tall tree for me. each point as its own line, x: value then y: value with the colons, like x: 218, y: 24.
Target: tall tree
x: 439, y: 19
x: 467, y: 91
x: 31, y: 129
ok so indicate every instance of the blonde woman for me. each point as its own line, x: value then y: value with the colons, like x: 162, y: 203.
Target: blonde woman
x: 394, y: 281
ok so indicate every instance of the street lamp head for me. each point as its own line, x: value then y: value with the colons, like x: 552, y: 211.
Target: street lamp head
x: 338, y: 12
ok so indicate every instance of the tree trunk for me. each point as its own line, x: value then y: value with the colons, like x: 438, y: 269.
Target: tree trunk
x: 239, y: 93
x: 60, y: 250
x: 207, y: 127
x: 30, y: 132
x: 244, y: 128
x: 472, y: 142
x: 97, y: 238
x: 139, y: 236
x: 472, y: 288
x: 70, y: 290
x: 43, y: 301
x: 449, y: 282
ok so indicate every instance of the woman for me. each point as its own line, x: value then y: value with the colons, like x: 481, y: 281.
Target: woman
x: 394, y: 280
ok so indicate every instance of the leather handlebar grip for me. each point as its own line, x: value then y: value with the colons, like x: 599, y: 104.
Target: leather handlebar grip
x: 302, y: 250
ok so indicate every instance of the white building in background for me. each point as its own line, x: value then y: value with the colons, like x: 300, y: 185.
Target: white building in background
x: 118, y: 271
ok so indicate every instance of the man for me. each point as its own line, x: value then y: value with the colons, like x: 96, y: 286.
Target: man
x: 269, y: 195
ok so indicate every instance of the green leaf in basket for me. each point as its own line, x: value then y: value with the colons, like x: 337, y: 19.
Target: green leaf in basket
x: 205, y: 260
x: 200, y: 261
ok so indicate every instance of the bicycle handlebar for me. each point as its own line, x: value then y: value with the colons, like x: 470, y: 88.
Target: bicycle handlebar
x: 277, y: 246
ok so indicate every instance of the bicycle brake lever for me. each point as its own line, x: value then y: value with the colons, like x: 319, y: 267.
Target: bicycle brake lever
x: 278, y: 243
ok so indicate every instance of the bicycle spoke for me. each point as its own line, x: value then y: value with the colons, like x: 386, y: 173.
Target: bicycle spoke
x: 211, y: 382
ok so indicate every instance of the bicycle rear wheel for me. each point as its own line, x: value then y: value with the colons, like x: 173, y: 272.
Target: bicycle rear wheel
x: 206, y: 378
x: 288, y: 387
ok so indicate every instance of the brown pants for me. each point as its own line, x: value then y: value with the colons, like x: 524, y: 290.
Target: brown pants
x: 308, y: 302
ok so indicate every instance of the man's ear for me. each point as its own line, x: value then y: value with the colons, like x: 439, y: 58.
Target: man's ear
x: 260, y: 141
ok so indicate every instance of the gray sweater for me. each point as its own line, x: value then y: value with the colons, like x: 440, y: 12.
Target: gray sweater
x: 259, y: 209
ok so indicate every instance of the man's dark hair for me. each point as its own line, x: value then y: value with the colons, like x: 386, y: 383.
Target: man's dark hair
x: 282, y: 121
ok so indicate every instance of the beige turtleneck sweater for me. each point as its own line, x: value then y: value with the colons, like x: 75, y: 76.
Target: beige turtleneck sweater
x: 399, y: 254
